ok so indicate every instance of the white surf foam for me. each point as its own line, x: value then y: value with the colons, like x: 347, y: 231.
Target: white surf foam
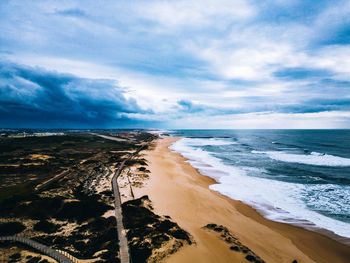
x: 314, y: 158
x: 276, y: 200
x: 160, y: 132
x: 206, y: 142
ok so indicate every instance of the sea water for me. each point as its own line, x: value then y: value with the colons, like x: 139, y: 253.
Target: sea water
x: 295, y: 176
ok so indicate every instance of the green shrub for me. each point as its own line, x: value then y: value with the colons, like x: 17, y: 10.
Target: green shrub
x: 46, y: 226
x: 11, y: 228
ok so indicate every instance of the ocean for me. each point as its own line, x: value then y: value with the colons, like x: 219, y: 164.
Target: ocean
x: 300, y: 177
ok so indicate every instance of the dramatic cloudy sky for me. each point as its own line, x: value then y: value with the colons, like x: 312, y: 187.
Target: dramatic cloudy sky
x: 175, y: 64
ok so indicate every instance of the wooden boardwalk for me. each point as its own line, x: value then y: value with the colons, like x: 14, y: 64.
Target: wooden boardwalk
x: 123, y: 241
x: 124, y: 254
x: 41, y: 248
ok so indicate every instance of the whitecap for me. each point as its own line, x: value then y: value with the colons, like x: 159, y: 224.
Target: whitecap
x: 207, y: 142
x: 314, y: 158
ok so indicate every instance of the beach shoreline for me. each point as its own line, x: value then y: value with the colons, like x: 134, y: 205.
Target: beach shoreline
x: 177, y: 189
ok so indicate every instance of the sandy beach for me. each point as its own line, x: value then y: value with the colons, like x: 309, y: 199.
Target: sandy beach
x: 178, y: 190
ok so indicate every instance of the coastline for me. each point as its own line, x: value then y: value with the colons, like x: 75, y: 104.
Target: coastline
x: 180, y: 191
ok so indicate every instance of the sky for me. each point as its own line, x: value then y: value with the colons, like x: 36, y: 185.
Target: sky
x: 227, y: 64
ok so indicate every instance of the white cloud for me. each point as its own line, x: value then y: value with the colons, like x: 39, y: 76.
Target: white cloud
x: 269, y: 120
x: 187, y: 14
x: 333, y: 58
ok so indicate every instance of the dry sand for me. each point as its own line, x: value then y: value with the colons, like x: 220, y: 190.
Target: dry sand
x: 180, y: 191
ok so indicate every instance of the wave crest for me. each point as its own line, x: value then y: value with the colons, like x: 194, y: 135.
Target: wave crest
x: 314, y: 158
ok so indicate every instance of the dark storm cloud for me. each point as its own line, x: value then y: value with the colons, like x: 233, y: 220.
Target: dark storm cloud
x: 37, y: 97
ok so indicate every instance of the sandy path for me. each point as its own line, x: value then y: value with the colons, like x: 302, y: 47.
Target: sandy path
x: 180, y: 191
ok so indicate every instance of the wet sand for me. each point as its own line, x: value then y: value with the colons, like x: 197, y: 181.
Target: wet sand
x: 180, y: 191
